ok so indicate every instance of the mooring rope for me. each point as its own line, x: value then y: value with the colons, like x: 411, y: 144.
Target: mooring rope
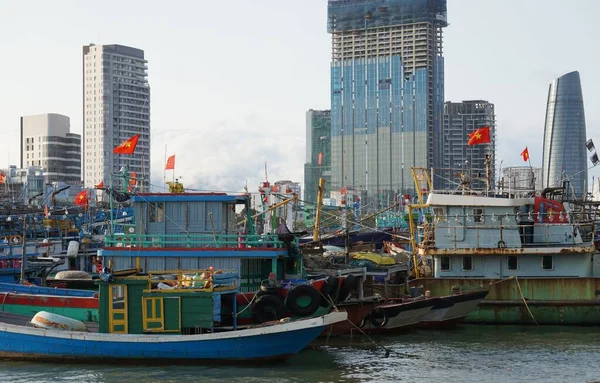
x: 524, y: 301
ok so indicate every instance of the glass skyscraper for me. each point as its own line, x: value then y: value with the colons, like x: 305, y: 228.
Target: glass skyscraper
x: 564, y: 135
x: 318, y: 153
x: 387, y: 93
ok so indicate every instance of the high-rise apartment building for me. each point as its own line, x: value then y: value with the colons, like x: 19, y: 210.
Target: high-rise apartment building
x: 564, y: 135
x: 387, y: 92
x: 461, y: 119
x: 47, y: 142
x: 318, y: 153
x: 116, y: 106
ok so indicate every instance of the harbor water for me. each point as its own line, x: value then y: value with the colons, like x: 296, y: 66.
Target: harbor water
x: 465, y: 354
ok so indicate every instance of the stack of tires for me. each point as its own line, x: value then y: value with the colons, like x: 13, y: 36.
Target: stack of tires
x: 269, y: 304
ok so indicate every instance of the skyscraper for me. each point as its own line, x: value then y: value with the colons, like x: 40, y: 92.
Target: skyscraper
x: 565, y: 136
x: 461, y: 119
x: 387, y: 91
x: 47, y: 142
x: 318, y: 153
x: 116, y: 106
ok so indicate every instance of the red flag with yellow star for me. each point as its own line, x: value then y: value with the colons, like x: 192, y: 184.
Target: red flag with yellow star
x: 82, y: 198
x: 128, y: 146
x: 480, y: 136
x: 525, y: 154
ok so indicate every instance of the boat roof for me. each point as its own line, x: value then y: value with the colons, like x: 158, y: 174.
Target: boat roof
x: 439, y: 199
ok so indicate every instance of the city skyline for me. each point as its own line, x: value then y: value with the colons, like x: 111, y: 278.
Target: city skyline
x: 258, y: 118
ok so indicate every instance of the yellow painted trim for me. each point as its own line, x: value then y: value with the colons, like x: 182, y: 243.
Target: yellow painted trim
x: 112, y: 322
x: 146, y: 320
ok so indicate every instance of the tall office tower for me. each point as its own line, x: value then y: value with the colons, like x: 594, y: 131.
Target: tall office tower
x: 318, y: 153
x: 46, y: 141
x: 387, y: 93
x: 564, y: 135
x: 461, y: 119
x: 116, y: 106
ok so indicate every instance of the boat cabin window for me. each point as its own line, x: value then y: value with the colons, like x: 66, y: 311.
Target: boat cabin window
x: 467, y: 263
x: 156, y: 212
x: 478, y: 215
x: 445, y: 263
x: 439, y: 213
x: 513, y: 262
x: 547, y: 263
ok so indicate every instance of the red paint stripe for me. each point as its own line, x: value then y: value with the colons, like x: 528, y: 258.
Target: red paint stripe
x: 49, y: 301
x: 200, y: 249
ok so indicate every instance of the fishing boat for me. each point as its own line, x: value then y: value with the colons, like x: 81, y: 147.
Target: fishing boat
x: 533, y: 251
x: 142, y: 320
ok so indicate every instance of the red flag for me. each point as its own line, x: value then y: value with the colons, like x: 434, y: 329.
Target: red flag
x: 133, y: 179
x: 46, y: 211
x: 480, y: 136
x: 81, y: 198
x: 100, y: 185
x: 2, y: 178
x: 525, y: 154
x: 320, y: 158
x: 170, y: 163
x: 128, y: 146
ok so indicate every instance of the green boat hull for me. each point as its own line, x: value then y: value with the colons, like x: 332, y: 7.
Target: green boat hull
x: 82, y: 314
x: 545, y: 301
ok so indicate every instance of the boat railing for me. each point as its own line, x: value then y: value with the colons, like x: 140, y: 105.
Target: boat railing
x: 201, y: 280
x: 496, y: 236
x: 194, y: 240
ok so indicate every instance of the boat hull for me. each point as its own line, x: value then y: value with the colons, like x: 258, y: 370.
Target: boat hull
x: 80, y: 308
x: 453, y: 309
x: 400, y: 316
x: 267, y: 342
x: 551, y: 301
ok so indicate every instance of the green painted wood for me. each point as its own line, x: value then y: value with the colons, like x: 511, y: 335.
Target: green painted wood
x: 172, y: 314
x: 196, y: 311
x: 84, y: 315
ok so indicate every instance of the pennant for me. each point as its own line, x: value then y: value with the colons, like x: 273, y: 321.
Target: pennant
x: 320, y: 158
x: 133, y: 179
x: 170, y: 163
x: 128, y: 146
x: 480, y: 136
x: 525, y: 154
x: 81, y: 198
x: 100, y: 185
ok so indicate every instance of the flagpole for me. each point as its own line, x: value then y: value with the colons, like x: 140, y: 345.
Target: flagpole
x: 165, y: 171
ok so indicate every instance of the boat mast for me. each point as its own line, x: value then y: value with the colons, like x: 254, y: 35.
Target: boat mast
x: 318, y: 213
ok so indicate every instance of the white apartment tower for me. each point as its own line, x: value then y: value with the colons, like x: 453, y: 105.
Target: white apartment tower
x: 116, y: 106
x: 46, y: 142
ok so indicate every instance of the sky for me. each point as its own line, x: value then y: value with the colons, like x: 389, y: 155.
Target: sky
x: 231, y: 81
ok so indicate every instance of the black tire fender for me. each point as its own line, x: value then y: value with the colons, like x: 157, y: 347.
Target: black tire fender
x: 330, y: 291
x: 302, y: 291
x: 267, y: 308
x: 378, y: 317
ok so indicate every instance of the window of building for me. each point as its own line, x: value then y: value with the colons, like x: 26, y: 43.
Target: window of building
x: 467, y: 262
x: 547, y: 262
x: 445, y: 263
x: 512, y: 262
x: 478, y: 215
x: 439, y: 213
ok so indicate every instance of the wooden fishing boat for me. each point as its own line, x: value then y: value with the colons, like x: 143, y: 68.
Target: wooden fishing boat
x: 141, y: 319
x: 451, y: 310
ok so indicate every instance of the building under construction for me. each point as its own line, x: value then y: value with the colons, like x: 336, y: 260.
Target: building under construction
x: 387, y: 92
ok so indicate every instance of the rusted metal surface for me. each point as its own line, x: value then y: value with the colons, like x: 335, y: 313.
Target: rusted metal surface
x: 572, y: 301
x: 563, y: 250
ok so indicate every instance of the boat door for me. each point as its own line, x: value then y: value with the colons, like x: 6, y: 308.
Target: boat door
x: 118, y: 309
x: 161, y: 314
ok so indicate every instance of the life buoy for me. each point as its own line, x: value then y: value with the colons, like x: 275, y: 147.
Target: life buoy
x: 267, y: 308
x: 303, y: 291
x: 378, y: 317
x: 15, y: 239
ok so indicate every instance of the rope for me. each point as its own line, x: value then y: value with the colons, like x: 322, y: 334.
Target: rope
x: 524, y: 301
x: 248, y: 305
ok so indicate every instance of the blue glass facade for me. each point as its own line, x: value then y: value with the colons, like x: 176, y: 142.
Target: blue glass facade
x: 387, y: 92
x: 565, y: 155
